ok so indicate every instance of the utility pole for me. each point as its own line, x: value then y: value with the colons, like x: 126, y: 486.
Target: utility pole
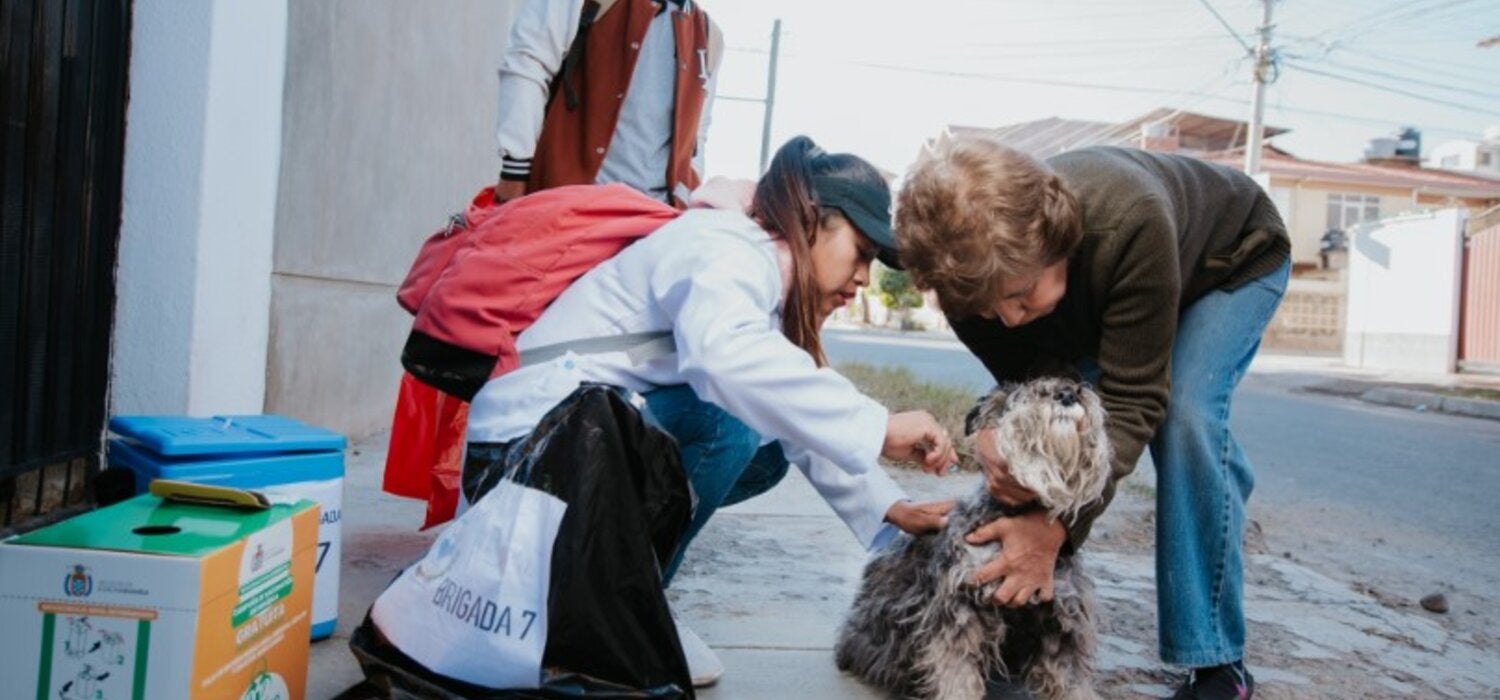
x: 765, y: 132
x: 1258, y: 102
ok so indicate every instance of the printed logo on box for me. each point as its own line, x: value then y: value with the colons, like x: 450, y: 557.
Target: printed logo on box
x: 267, y: 686
x: 78, y: 584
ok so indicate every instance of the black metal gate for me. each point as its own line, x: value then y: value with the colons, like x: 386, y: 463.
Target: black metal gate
x: 64, y: 65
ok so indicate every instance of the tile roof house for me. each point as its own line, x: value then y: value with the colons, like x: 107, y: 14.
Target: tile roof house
x: 1313, y: 196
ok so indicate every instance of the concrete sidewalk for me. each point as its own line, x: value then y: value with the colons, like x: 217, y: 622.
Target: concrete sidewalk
x: 1463, y: 394
x: 768, y: 581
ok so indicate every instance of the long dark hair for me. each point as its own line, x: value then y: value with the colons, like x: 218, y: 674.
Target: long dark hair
x: 786, y: 205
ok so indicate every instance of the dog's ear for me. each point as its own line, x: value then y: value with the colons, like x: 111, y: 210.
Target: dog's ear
x: 988, y: 408
x: 971, y: 420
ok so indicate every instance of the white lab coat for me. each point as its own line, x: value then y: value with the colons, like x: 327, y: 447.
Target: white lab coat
x: 712, y: 278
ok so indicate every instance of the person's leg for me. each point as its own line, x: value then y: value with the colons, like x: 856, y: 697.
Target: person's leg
x: 1204, y: 478
x: 725, y: 464
x: 765, y: 470
x: 717, y: 451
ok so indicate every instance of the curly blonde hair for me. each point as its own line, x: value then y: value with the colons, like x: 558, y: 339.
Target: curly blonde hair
x: 974, y: 213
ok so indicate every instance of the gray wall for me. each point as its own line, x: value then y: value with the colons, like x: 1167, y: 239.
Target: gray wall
x: 388, y: 127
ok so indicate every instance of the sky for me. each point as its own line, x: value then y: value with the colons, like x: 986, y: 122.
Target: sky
x: 877, y: 77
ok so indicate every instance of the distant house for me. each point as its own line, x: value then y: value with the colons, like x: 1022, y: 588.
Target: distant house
x: 1478, y: 157
x: 1314, y: 197
x: 1163, y: 129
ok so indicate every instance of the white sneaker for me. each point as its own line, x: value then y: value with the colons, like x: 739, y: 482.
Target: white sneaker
x: 703, y: 664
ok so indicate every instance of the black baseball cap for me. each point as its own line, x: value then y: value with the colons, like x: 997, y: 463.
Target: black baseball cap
x: 866, y: 205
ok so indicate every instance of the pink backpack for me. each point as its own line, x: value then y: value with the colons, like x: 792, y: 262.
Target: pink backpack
x: 474, y: 287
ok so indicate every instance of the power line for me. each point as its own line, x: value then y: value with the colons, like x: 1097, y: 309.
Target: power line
x: 1372, y: 120
x: 1489, y: 73
x: 1426, y: 66
x: 1351, y: 26
x: 1368, y: 23
x: 992, y: 77
x: 989, y: 77
x: 1138, y: 41
x: 1386, y: 88
x: 1228, y: 28
x: 1156, y: 91
x: 1070, y: 50
x: 1492, y: 95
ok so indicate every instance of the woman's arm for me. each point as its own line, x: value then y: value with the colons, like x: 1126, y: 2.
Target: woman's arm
x: 722, y: 293
x: 1138, y: 328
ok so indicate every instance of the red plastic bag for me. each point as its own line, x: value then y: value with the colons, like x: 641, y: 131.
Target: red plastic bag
x: 425, y: 458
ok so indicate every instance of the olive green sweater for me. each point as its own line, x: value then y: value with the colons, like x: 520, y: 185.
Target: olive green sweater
x: 1160, y: 231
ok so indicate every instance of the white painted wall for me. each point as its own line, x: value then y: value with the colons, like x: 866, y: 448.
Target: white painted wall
x: 1404, y: 276
x: 1453, y: 155
x: 202, y: 157
x: 389, y: 127
x: 1481, y: 157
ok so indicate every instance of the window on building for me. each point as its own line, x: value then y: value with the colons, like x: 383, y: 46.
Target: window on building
x: 1484, y: 158
x: 1347, y: 210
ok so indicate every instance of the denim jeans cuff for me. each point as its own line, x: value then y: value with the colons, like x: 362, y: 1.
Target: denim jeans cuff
x: 1200, y: 659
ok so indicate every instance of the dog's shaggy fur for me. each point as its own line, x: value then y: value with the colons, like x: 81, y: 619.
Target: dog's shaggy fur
x: 921, y: 628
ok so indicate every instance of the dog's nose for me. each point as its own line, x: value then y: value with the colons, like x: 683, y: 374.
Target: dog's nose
x: 1066, y: 397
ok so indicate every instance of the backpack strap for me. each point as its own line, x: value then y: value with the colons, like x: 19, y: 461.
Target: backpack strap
x: 592, y: 10
x: 639, y: 347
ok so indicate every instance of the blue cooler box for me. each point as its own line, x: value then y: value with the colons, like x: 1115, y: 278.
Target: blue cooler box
x: 285, y: 459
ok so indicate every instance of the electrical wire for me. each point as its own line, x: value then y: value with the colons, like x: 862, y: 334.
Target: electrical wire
x: 1491, y: 95
x: 1227, y: 27
x: 1398, y: 91
x: 1000, y: 78
x: 1377, y: 20
x: 1389, y: 57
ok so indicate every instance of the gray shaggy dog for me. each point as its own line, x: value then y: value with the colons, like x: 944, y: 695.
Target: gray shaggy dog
x: 920, y: 627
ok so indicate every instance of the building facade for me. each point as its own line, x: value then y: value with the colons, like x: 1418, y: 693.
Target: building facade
x: 283, y: 163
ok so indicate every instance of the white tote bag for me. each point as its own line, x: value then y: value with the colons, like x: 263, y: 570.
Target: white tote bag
x: 475, y: 607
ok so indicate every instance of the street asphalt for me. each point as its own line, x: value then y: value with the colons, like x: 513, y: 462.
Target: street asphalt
x: 1335, y: 562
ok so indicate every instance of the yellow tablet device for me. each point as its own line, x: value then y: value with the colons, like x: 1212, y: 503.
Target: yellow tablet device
x: 203, y: 494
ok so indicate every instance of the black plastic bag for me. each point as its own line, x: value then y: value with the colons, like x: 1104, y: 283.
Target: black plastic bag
x: 610, y: 634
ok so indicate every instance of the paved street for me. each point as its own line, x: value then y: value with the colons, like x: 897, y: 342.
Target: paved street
x: 1357, y: 515
x: 1395, y: 502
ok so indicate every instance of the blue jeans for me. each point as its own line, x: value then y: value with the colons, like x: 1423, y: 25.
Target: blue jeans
x: 1203, y: 478
x: 723, y: 457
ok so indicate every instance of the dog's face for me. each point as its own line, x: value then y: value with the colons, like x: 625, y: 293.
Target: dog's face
x: 1051, y: 431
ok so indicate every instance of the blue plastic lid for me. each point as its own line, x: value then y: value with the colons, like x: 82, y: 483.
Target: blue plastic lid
x: 241, y: 470
x: 182, y: 435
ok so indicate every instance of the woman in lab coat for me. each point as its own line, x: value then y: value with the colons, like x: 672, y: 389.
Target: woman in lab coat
x: 743, y: 384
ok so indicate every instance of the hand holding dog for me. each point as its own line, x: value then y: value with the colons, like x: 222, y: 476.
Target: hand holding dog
x: 1030, y: 542
x: 917, y: 436
x: 997, y: 479
x: 919, y: 518
x: 1028, y: 556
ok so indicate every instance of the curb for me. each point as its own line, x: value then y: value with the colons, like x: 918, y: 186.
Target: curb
x: 1428, y: 401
